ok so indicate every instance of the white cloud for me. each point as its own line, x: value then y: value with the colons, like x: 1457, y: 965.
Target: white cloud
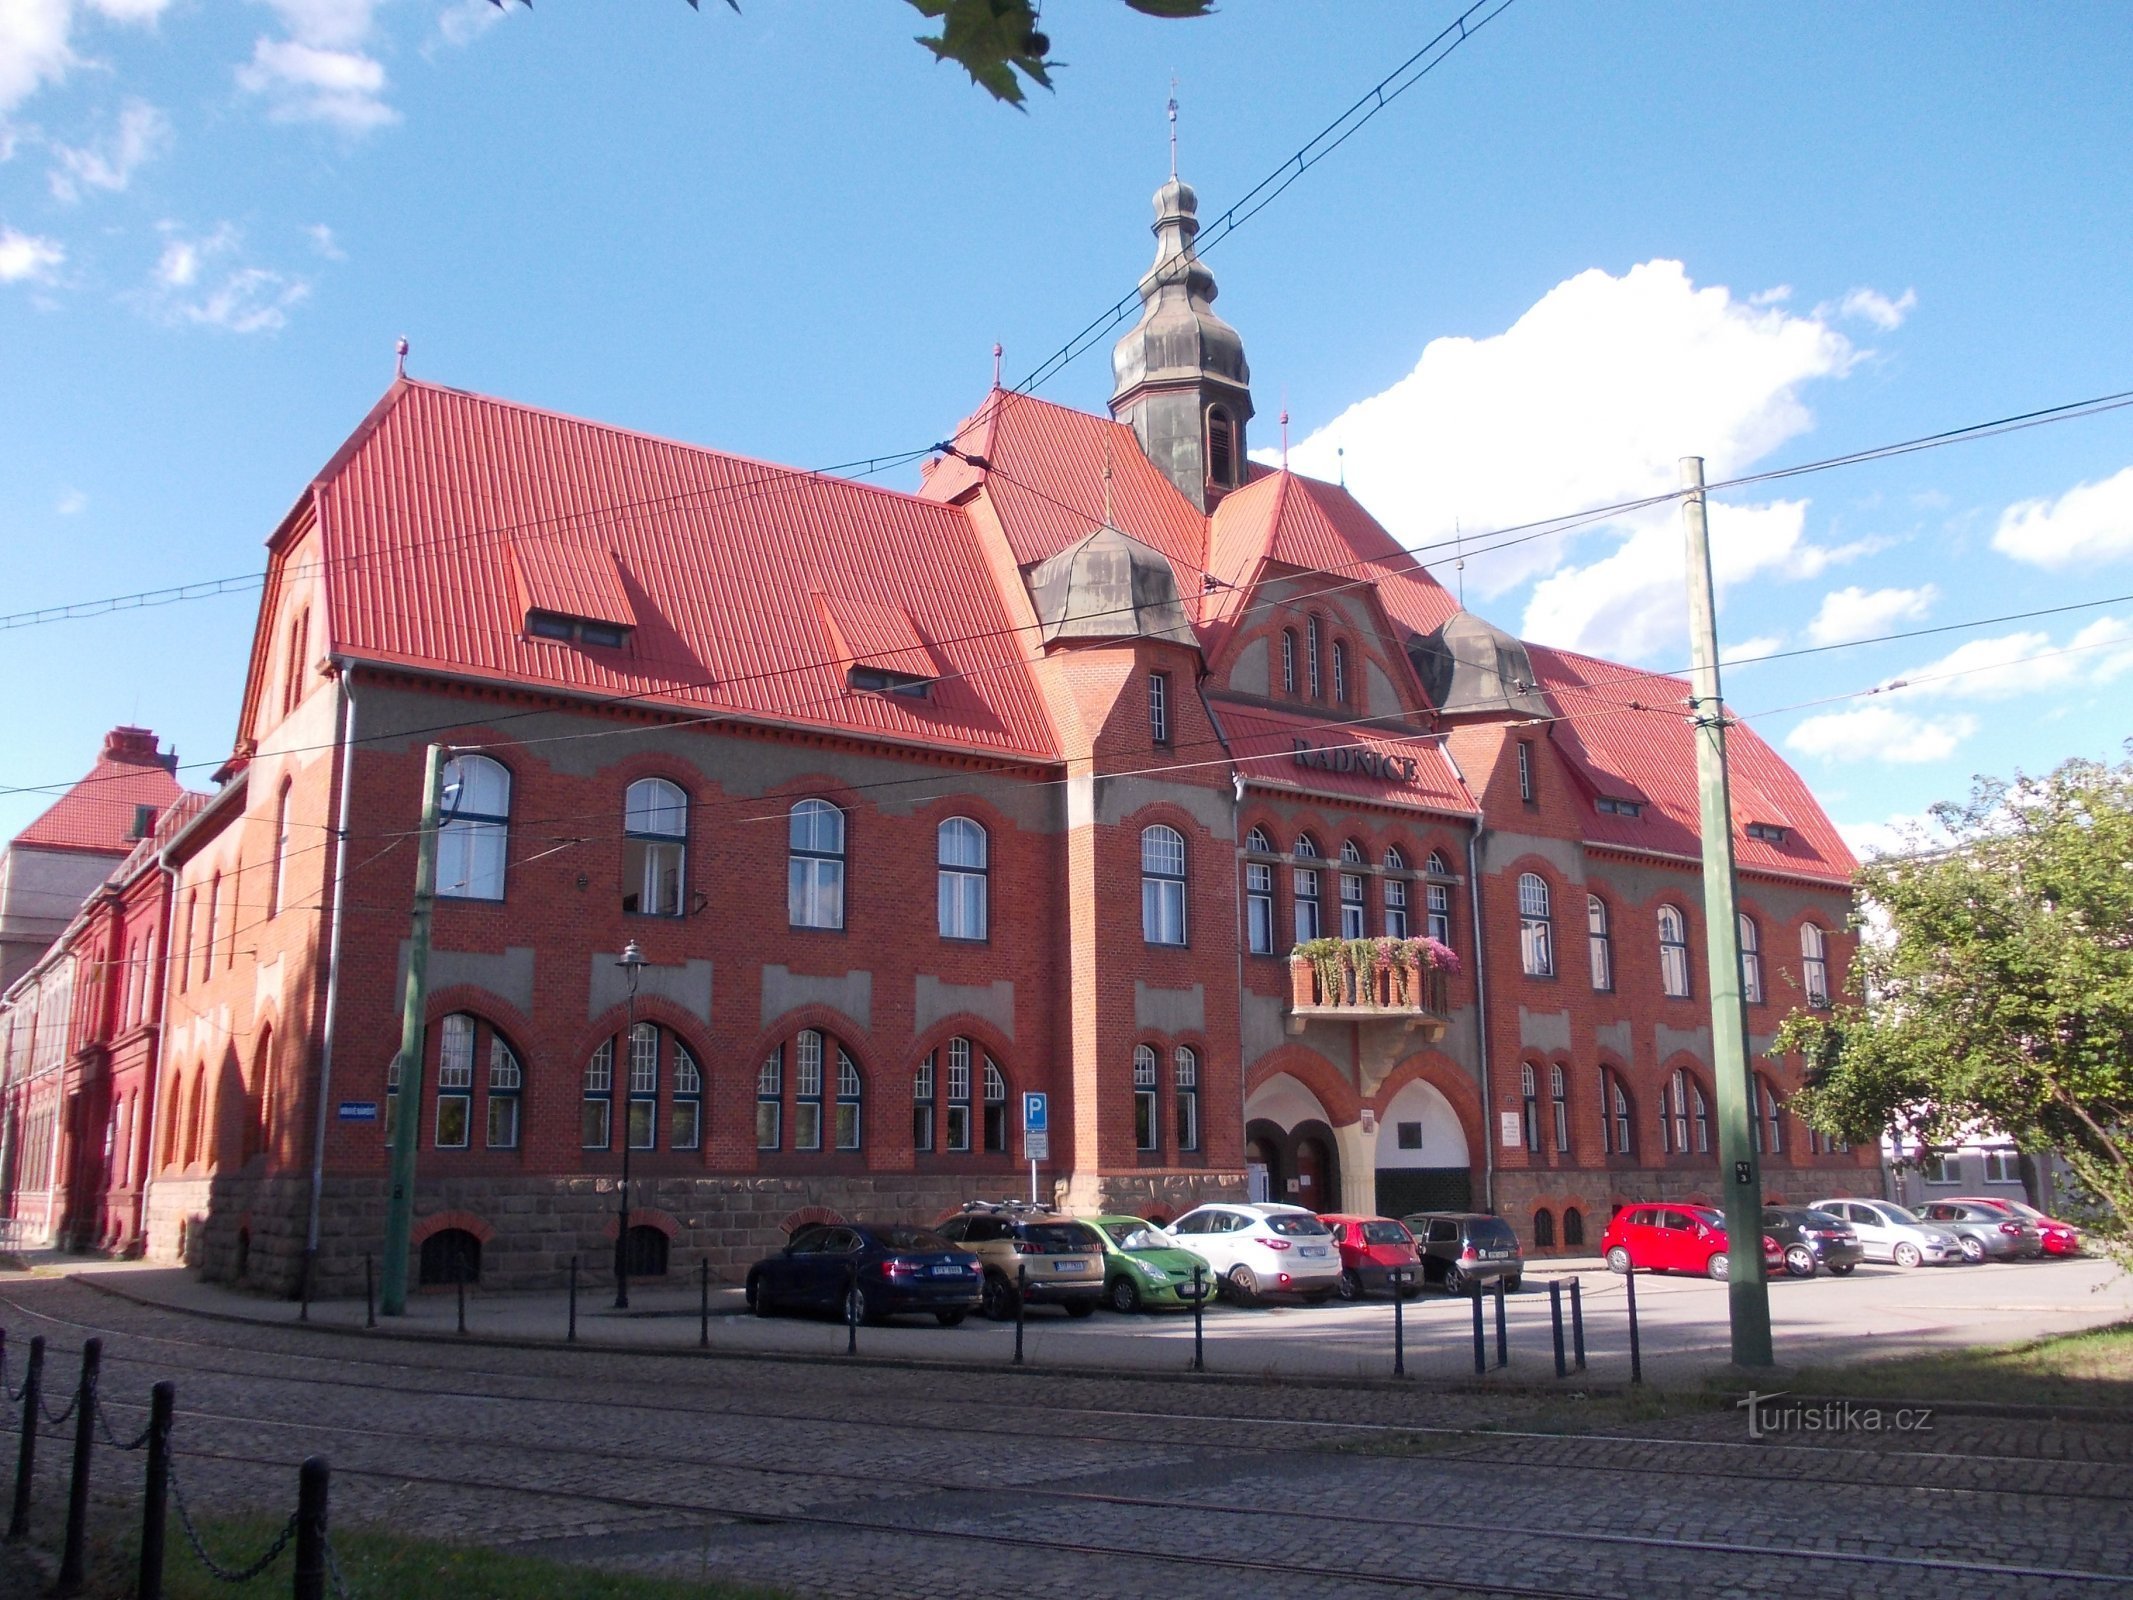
x: 323, y: 241
x: 1855, y: 613
x: 142, y: 134
x: 195, y: 283
x: 1749, y: 651
x: 1880, y: 733
x: 1872, y: 306
x: 2091, y: 523
x: 2028, y: 662
x: 29, y: 258
x: 303, y: 83
x: 72, y: 502
x: 36, y: 40
x: 1902, y: 833
x: 463, y: 23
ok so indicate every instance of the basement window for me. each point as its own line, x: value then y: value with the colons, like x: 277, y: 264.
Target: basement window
x: 576, y: 630
x: 1620, y: 808
x: 879, y: 680
x: 1767, y: 832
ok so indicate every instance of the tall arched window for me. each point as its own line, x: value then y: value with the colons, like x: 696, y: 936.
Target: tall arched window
x: 922, y: 1082
x: 1288, y: 660
x: 1683, y: 1114
x: 1529, y: 1105
x: 1573, y: 1227
x: 1673, y: 952
x: 596, y: 1104
x: 1559, y: 1103
x: 1146, y: 1133
x: 1396, y: 892
x: 655, y: 842
x: 1536, y: 929
x: 1303, y: 886
x: 960, y: 1058
x: 770, y: 1100
x: 280, y: 867
x: 643, y: 1131
x: 1185, y: 1073
x: 214, y: 913
x: 814, y: 878
x: 1221, y: 449
x: 1751, y: 961
x: 1353, y: 906
x: 807, y: 1090
x: 507, y: 1087
x: 1616, y: 1123
x: 1340, y: 673
x: 475, y: 838
x: 995, y: 1108
x: 1544, y: 1229
x: 685, y: 1112
x: 455, y: 1080
x: 1599, y: 943
x: 1318, y: 687
x: 1162, y: 885
x: 961, y: 848
x: 850, y: 1101
x: 1814, y: 963
x: 192, y: 917
x: 1767, y: 1120
x: 1259, y: 895
x: 1439, y: 900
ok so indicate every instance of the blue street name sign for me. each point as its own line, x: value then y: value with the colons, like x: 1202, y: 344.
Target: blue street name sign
x: 359, y: 1111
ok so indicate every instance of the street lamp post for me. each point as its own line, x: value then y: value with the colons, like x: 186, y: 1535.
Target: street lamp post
x: 631, y: 962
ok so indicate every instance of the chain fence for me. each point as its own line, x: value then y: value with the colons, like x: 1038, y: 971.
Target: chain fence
x: 103, y: 1422
x: 215, y: 1568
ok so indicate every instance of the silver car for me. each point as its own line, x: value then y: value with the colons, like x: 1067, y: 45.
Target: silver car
x: 1986, y: 1232
x: 1888, y: 1232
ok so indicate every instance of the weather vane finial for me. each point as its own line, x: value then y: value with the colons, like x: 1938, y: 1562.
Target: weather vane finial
x: 1173, y: 125
x: 400, y: 356
x: 1107, y: 481
x: 997, y: 352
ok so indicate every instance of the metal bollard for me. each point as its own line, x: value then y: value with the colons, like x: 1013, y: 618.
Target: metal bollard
x: 1200, y: 1290
x: 1503, y: 1337
x: 311, y: 1485
x: 703, y: 1308
x: 851, y: 1311
x: 370, y: 1295
x: 1636, y: 1351
x: 1577, y: 1326
x: 1481, y: 1338
x: 1555, y: 1315
x: 18, y: 1522
x: 572, y: 1336
x: 1021, y: 1300
x: 1399, y: 1323
x: 303, y: 1288
x: 459, y: 1279
x: 74, y: 1552
x: 162, y: 1401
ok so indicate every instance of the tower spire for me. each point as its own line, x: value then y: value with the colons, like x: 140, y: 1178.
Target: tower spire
x: 1173, y: 127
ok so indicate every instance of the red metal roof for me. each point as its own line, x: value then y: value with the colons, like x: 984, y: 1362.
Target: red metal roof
x: 875, y: 636
x: 571, y: 579
x: 1347, y: 762
x: 1628, y: 731
x: 99, y: 813
x: 419, y: 512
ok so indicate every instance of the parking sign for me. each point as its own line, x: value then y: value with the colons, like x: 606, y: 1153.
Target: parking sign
x: 1036, y: 1114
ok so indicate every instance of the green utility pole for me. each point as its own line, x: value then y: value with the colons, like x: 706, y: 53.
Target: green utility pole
x: 407, y: 1118
x: 1740, y: 1181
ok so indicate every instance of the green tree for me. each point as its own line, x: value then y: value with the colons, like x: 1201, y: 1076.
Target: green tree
x: 2000, y: 989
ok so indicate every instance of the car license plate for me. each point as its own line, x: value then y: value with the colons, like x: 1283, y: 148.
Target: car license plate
x: 1314, y: 1250
x: 945, y: 1271
x: 1494, y: 1255
x: 1070, y: 1266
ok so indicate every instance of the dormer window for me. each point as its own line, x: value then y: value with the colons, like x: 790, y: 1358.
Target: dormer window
x: 576, y: 630
x: 879, y: 680
x: 1767, y: 832
x: 1619, y: 808
x: 1221, y: 449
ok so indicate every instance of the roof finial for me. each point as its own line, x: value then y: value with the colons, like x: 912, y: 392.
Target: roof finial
x: 997, y: 352
x: 400, y: 356
x: 1107, y: 480
x: 1284, y: 438
x: 1340, y: 462
x: 1173, y: 125
x: 1459, y: 566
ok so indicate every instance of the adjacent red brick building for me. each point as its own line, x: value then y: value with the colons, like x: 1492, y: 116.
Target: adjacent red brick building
x: 916, y: 803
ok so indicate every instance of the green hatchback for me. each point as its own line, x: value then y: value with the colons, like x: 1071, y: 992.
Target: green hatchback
x: 1144, y: 1267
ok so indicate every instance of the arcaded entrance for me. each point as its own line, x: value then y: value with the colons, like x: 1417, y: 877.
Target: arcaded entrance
x: 1422, y: 1160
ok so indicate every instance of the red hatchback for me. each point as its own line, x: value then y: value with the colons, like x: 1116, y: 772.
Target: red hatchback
x: 2060, y: 1238
x: 1371, y: 1247
x: 1675, y: 1238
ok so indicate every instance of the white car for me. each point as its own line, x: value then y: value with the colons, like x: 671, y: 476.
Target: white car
x: 1261, y: 1252
x: 1889, y: 1232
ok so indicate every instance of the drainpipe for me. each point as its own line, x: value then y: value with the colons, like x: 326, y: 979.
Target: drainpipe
x: 346, y: 756
x: 1481, y: 1007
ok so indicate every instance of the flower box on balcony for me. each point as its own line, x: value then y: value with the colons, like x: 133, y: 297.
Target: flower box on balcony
x: 1353, y: 980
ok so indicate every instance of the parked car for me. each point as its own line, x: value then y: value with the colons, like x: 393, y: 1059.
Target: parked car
x: 1029, y: 1252
x: 1675, y: 1238
x: 1985, y: 1232
x: 899, y: 1269
x: 1144, y: 1267
x: 1810, y: 1238
x: 1371, y: 1249
x: 2059, y: 1238
x: 1890, y: 1232
x: 1263, y: 1252
x: 1462, y: 1248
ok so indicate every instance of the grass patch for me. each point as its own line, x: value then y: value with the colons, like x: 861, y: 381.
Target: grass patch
x: 387, y: 1566
x: 2085, y: 1369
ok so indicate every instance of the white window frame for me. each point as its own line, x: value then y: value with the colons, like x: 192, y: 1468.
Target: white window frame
x: 1674, y: 979
x: 817, y: 838
x: 1163, y: 867
x: 1751, y: 960
x: 1185, y: 1078
x: 963, y: 852
x: 1147, y: 1126
x: 474, y: 840
x: 655, y: 836
x: 1536, y: 926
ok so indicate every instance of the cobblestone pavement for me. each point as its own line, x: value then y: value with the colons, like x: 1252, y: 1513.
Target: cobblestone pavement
x: 841, y: 1478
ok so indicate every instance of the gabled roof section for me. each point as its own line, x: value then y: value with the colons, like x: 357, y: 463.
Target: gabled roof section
x: 1301, y: 753
x: 570, y: 579
x: 716, y: 556
x: 1628, y: 731
x: 874, y: 636
x: 101, y: 813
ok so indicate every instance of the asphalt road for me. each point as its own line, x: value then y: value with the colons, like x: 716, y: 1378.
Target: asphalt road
x: 842, y: 1478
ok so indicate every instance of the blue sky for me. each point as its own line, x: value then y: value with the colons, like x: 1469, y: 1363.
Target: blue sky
x: 1594, y: 240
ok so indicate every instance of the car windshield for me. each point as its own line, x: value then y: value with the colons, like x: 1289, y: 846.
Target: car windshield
x: 1385, y: 1233
x: 1895, y: 1213
x: 1057, y: 1238
x: 2022, y: 1209
x: 1823, y: 1219
x: 1491, y: 1233
x: 1708, y: 1216
x: 911, y: 1239
x: 1296, y: 1224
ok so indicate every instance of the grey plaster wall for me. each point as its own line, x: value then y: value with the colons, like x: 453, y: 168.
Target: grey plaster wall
x: 849, y: 992
x: 1250, y: 673
x: 687, y: 985
x: 1260, y: 1026
x: 933, y: 1000
x: 1170, y: 1010
x: 1380, y: 697
x: 1618, y: 1037
x: 1544, y: 1030
x: 1696, y: 1041
x: 1118, y: 798
x: 508, y: 976
x: 1500, y: 847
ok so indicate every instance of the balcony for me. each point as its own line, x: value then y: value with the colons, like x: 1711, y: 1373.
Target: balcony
x: 1403, y: 981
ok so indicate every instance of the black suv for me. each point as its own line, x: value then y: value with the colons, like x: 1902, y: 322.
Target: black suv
x: 1463, y: 1248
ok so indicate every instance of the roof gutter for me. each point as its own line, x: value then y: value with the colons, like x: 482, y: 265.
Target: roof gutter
x: 344, y: 755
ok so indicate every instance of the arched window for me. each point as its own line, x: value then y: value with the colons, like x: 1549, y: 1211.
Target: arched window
x: 770, y: 1100
x: 1529, y: 1105
x: 961, y: 849
x: 1765, y: 1119
x: 1559, y: 1101
x: 1682, y: 1109
x: 192, y: 916
x: 1352, y: 906
x: 1162, y: 885
x: 643, y: 1130
x: 1616, y: 1124
x: 1573, y: 1227
x: 596, y: 1108
x: 1536, y: 930
x: 1673, y: 953
x: 475, y: 837
x: 1303, y: 885
x: 1259, y: 895
x: 1814, y: 963
x: 1396, y: 892
x: 1700, y: 1113
x: 960, y: 1057
x: 1340, y: 673
x: 685, y: 1113
x: 1258, y: 843
x: 1288, y: 660
x: 256, y: 1108
x: 995, y: 1108
x: 814, y: 880
x: 455, y: 1080
x: 1221, y: 449
x: 196, y: 1117
x: 214, y: 911
x: 1751, y: 961
x: 280, y: 866
x: 1351, y: 853
x: 1544, y: 1229
x: 450, y: 1255
x: 1146, y: 1133
x: 922, y: 1105
x: 850, y: 1097
x: 1185, y: 1072
x: 655, y: 842
x: 1318, y: 687
x: 1599, y: 943
x: 807, y: 1090
x: 1439, y: 901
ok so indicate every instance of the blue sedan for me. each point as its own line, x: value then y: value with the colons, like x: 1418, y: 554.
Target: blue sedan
x: 867, y: 1270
